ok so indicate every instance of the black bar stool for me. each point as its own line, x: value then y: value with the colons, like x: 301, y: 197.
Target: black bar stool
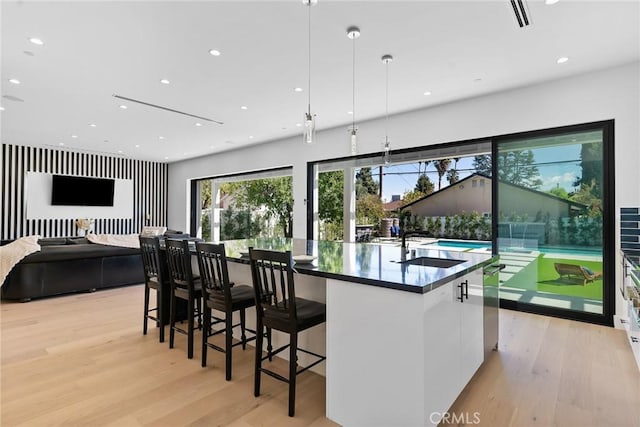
x: 183, y: 286
x: 278, y: 308
x: 155, y: 277
x: 221, y: 295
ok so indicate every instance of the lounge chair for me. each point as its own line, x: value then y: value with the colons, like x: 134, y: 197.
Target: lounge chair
x: 577, y: 271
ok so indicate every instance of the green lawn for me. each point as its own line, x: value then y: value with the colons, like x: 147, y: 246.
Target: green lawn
x: 542, y: 273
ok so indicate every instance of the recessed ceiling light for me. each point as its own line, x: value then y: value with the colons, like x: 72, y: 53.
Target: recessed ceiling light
x: 298, y: 89
x: 551, y: 1
x: 244, y: 107
x: 14, y: 81
x: 36, y: 40
x: 137, y: 145
x: 161, y: 137
x: 350, y: 113
x: 120, y: 151
x: 124, y: 107
x: 299, y: 124
x: 562, y: 60
x: 74, y: 136
x: 92, y: 125
x: 211, y: 146
x: 214, y: 52
x: 165, y: 81
x: 166, y: 158
x: 427, y: 93
x: 1, y: 108
x: 250, y: 136
x: 198, y: 124
x: 61, y: 143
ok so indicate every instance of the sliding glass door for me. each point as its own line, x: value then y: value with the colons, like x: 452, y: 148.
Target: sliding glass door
x: 552, y: 209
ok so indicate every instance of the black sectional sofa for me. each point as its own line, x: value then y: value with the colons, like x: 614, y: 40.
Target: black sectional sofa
x: 66, y: 265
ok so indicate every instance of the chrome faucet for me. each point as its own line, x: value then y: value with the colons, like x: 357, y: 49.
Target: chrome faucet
x: 410, y: 234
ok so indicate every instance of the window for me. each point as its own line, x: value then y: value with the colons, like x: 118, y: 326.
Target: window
x: 364, y: 196
x: 248, y: 205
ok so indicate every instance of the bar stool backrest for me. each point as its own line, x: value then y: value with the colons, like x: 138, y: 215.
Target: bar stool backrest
x: 273, y: 283
x: 179, y: 262
x: 214, y: 274
x: 150, y: 251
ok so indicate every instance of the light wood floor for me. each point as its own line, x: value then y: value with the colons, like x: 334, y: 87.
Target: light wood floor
x: 82, y: 360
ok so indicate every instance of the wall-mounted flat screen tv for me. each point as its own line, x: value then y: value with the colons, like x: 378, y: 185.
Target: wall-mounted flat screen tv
x: 81, y: 191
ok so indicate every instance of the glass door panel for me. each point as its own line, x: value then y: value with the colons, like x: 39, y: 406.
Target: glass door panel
x: 550, y: 198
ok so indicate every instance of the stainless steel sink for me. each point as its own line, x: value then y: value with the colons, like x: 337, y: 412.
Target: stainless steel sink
x: 433, y: 262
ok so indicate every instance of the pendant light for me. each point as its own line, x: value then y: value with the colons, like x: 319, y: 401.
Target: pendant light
x: 309, y: 136
x: 353, y: 33
x: 386, y: 153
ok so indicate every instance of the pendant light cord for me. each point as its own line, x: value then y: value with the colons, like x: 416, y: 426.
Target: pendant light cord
x: 353, y: 100
x: 309, y: 83
x: 386, y: 121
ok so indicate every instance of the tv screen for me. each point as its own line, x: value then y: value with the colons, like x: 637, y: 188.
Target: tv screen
x: 81, y: 191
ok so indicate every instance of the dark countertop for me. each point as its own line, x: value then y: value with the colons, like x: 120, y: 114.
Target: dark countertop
x: 365, y: 263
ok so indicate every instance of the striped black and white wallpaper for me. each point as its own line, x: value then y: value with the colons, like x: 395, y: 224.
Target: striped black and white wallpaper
x: 149, y: 190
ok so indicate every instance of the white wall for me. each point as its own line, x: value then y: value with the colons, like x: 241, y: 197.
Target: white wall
x: 608, y: 94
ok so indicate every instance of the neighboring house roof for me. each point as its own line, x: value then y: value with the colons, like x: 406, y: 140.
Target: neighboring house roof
x: 393, y: 205
x: 444, y: 189
x: 478, y: 174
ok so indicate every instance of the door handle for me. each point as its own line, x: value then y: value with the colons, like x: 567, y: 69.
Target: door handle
x: 495, y: 270
x: 466, y: 289
x: 461, y: 297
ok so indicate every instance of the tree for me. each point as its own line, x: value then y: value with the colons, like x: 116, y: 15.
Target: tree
x: 240, y: 224
x: 424, y: 185
x: 441, y: 166
x: 482, y: 164
x: 411, y: 196
x: 591, y: 164
x: 330, y: 196
x: 559, y: 192
x: 369, y: 209
x: 365, y: 184
x: 452, y: 176
x: 205, y: 194
x: 275, y: 194
x: 518, y: 167
x: 514, y: 167
x: 586, y: 195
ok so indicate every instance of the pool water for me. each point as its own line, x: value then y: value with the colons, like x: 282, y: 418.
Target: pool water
x: 461, y: 244
x: 487, y: 245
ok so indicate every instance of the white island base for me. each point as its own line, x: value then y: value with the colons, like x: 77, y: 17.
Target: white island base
x: 400, y: 358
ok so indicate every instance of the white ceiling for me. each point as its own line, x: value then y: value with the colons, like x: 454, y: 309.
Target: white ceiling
x: 94, y: 50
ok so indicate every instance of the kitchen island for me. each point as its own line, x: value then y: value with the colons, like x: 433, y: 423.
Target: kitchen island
x: 402, y: 337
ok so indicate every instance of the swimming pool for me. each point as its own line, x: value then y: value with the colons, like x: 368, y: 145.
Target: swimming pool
x: 543, y: 249
x: 461, y: 244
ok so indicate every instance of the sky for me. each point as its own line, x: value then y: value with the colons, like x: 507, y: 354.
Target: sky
x: 558, y: 166
x: 398, y: 179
